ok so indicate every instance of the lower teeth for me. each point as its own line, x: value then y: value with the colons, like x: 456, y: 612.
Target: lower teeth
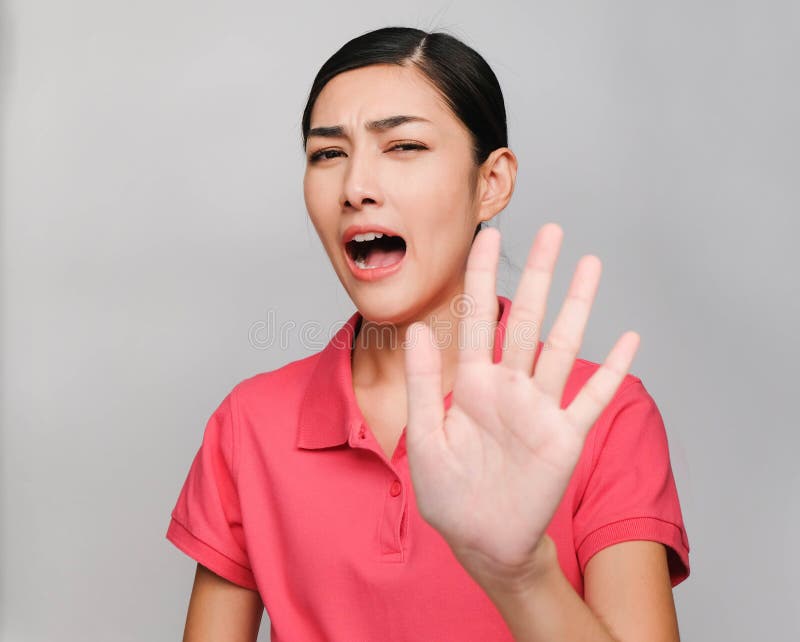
x: 360, y: 263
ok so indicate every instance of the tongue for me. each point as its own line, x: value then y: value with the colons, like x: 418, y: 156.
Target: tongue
x: 379, y: 257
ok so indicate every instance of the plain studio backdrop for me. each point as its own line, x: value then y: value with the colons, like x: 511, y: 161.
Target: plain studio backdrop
x: 154, y: 237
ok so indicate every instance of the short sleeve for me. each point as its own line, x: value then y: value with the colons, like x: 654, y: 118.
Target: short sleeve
x: 630, y: 492
x: 206, y: 522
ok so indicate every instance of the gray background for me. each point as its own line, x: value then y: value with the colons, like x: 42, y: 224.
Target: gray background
x: 152, y: 217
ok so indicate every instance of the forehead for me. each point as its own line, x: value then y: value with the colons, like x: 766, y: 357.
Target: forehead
x: 378, y: 91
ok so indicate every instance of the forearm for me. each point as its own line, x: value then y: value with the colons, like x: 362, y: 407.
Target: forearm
x: 548, y: 610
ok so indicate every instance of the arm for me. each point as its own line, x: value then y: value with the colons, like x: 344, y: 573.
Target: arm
x: 628, y: 597
x: 221, y: 610
x: 628, y: 586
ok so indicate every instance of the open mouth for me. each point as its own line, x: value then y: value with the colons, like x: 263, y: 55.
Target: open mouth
x: 375, y: 250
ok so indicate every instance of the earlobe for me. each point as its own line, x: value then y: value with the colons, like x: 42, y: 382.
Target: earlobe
x: 498, y: 177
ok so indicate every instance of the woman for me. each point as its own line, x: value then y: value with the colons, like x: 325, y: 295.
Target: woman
x: 436, y: 472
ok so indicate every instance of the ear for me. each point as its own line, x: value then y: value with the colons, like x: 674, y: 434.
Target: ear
x: 497, y: 176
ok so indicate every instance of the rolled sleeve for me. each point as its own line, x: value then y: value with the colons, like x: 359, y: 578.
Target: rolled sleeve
x: 631, y: 493
x: 206, y: 522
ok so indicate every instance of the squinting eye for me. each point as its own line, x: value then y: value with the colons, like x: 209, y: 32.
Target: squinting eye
x: 323, y: 153
x: 328, y: 154
x: 409, y: 146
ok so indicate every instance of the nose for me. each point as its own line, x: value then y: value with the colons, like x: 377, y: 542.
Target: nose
x: 360, y: 185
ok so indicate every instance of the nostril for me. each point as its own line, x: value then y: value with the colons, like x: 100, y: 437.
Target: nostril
x: 364, y: 201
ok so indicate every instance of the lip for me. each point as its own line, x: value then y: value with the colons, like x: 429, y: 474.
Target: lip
x: 369, y: 274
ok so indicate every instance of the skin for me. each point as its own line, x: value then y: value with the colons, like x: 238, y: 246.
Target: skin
x: 474, y: 466
x: 221, y: 610
x: 419, y: 193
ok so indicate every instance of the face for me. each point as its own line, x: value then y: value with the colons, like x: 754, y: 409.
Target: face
x: 411, y: 179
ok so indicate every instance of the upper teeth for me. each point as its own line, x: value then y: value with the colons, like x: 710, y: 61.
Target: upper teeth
x: 369, y: 236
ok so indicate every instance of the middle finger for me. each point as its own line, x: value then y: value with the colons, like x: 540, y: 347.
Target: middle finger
x: 524, y: 326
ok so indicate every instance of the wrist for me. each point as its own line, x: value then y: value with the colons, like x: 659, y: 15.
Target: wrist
x: 541, y: 566
x: 503, y: 583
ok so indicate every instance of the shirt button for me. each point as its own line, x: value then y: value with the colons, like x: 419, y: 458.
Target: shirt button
x: 394, y: 489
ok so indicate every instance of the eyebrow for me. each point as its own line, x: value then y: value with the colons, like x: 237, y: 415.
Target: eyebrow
x: 338, y: 131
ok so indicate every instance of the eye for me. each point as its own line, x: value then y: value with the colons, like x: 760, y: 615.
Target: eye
x: 324, y: 154
x: 407, y: 146
x: 328, y: 154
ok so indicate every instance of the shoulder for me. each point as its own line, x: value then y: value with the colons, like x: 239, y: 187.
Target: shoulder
x: 629, y: 412
x: 582, y: 371
x: 630, y: 390
x: 630, y: 427
x: 283, y: 386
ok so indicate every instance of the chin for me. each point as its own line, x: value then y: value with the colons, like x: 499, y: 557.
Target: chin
x: 382, y: 307
x: 386, y: 304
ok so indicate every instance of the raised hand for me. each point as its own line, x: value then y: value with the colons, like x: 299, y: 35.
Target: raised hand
x: 489, y: 473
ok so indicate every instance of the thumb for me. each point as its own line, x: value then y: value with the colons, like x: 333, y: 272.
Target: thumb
x: 423, y: 366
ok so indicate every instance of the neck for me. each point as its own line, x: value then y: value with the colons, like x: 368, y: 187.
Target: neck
x: 378, y: 359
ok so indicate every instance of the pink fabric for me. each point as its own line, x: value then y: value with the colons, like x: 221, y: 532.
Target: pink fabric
x: 291, y: 495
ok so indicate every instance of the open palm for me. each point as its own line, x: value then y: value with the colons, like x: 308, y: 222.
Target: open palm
x: 489, y: 472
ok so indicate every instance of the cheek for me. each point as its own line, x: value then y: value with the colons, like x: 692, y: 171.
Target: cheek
x: 319, y: 206
x: 437, y: 186
x: 311, y: 194
x: 443, y: 192
x: 440, y: 223
x: 447, y: 180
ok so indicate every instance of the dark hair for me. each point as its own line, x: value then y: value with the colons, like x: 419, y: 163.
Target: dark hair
x: 464, y: 79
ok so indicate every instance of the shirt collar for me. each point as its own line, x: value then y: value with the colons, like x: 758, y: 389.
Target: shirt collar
x: 329, y: 412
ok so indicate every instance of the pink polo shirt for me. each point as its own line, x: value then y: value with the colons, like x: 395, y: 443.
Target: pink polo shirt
x: 291, y: 495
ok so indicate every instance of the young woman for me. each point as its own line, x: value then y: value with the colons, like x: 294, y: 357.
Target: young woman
x: 437, y: 472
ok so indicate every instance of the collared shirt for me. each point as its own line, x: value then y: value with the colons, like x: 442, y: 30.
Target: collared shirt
x: 291, y: 495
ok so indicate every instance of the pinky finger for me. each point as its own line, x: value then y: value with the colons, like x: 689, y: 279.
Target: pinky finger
x: 600, y: 388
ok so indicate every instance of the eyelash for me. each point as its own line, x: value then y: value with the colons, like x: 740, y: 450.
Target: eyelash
x: 317, y: 156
